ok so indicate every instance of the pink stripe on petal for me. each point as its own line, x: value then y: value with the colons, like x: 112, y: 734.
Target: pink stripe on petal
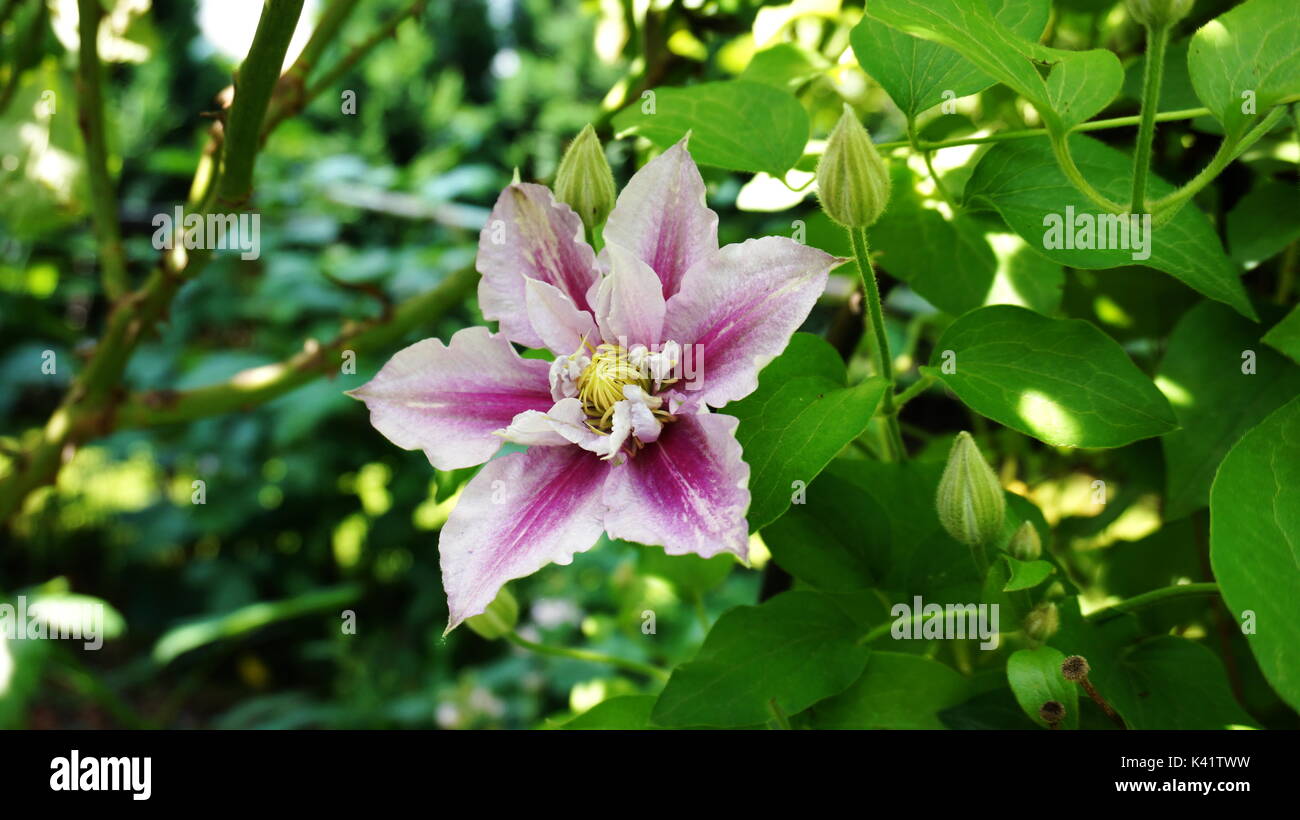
x: 739, y: 308
x: 687, y: 492
x: 531, y: 235
x: 449, y: 400
x: 662, y: 218
x: 630, y: 302
x: 520, y: 513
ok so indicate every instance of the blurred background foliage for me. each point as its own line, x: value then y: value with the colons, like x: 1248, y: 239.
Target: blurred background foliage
x: 232, y: 610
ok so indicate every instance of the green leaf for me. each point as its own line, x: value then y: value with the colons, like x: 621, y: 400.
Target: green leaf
x: 897, y: 691
x: 795, y: 649
x: 1022, y: 181
x: 1159, y: 683
x: 1285, y: 335
x: 1172, y: 683
x: 922, y: 558
x: 1080, y: 83
x: 797, y: 420
x: 916, y: 73
x: 1213, y: 400
x: 737, y: 124
x: 1263, y: 223
x: 691, y: 574
x: 625, y: 712
x: 950, y: 264
x: 959, y: 263
x: 1255, y: 542
x: 1026, y: 574
x: 838, y: 539
x: 785, y: 65
x: 1035, y: 678
x: 1062, y: 381
x: 1254, y: 48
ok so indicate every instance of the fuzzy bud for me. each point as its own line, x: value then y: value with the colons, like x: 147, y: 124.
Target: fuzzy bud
x: 1025, y: 544
x: 1158, y: 13
x: 1042, y: 622
x: 970, y: 501
x: 852, y: 180
x: 584, y: 182
x: 499, y: 619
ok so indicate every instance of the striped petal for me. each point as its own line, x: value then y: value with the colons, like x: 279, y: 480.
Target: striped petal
x: 520, y: 513
x: 688, y: 492
x: 661, y: 217
x: 449, y: 400
x: 739, y: 307
x: 530, y: 235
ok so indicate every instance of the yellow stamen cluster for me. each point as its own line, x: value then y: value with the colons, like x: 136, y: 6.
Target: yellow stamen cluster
x: 600, y: 386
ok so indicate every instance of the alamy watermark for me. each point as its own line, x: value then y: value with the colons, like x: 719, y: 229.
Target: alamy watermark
x: 214, y: 232
x: 53, y: 620
x: 934, y: 622
x: 1089, y: 231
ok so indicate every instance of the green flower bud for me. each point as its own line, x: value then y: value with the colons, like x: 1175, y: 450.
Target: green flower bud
x: 852, y: 180
x: 499, y: 619
x: 1025, y: 544
x: 584, y: 181
x: 970, y: 500
x: 1042, y: 622
x: 1158, y: 13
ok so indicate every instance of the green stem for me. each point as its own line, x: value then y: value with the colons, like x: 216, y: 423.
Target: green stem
x: 90, y: 93
x: 1166, y: 207
x: 1061, y: 148
x: 918, y: 387
x: 257, y: 79
x: 85, y: 411
x: 1152, y: 75
x: 1155, y: 596
x: 778, y: 714
x: 300, y: 93
x: 587, y: 655
x: 261, y: 384
x: 1286, y: 274
x: 926, y: 155
x: 884, y: 362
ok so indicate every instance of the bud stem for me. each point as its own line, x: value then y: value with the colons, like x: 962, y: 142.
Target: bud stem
x: 884, y: 360
x: 587, y: 655
x: 1152, y: 76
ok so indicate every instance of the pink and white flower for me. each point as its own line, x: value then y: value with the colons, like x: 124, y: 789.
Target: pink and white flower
x: 617, y: 442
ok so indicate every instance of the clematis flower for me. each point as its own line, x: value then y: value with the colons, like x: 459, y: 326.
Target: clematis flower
x: 621, y: 436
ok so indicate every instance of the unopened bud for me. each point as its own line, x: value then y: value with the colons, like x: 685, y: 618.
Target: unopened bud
x: 970, y: 501
x: 499, y: 619
x: 1158, y: 13
x: 1025, y: 544
x: 852, y: 180
x: 1042, y: 622
x: 584, y: 181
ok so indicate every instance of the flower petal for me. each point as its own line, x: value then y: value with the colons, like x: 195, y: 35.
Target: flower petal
x: 739, y: 308
x: 661, y: 217
x: 630, y: 303
x: 448, y: 400
x: 563, y: 424
x: 560, y: 325
x: 520, y: 513
x: 688, y: 492
x: 531, y: 235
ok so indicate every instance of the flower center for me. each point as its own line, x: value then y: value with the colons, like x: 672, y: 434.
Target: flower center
x: 601, y: 383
